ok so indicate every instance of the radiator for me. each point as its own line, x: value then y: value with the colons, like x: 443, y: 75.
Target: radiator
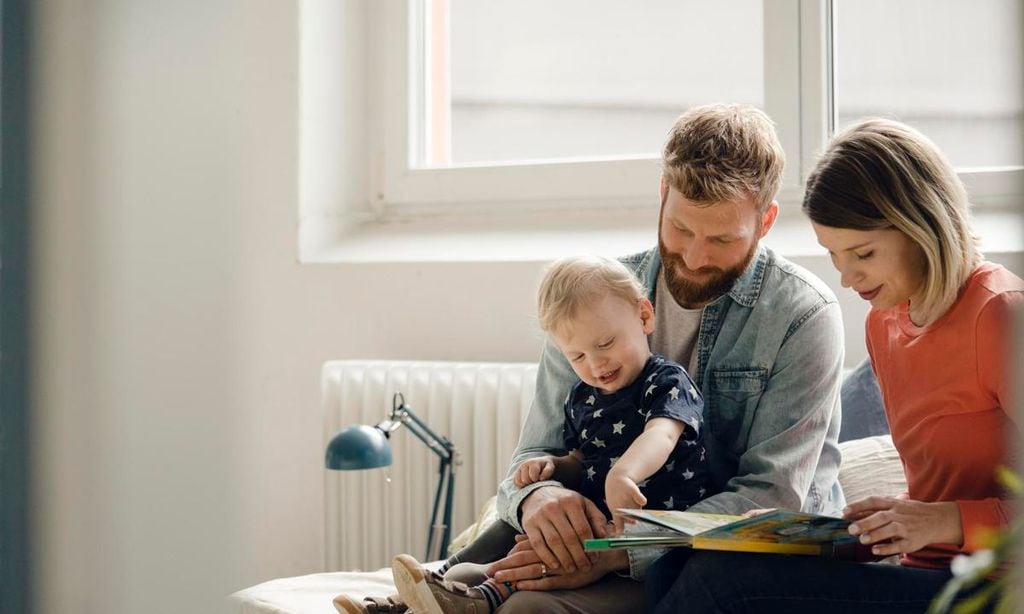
x: 374, y: 514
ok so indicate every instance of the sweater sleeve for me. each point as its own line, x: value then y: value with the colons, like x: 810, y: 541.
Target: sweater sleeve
x: 979, y: 517
x: 994, y: 345
x: 995, y: 321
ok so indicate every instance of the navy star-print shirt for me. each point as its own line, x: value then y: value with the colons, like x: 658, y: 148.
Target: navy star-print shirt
x: 602, y: 426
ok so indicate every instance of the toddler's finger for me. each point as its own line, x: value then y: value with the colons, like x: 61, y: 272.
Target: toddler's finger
x: 534, y: 472
x: 547, y: 471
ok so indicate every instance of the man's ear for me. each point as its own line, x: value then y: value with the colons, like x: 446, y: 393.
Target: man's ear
x: 646, y: 315
x: 662, y: 190
x: 768, y: 218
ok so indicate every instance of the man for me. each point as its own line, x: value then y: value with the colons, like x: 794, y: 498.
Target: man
x: 760, y: 336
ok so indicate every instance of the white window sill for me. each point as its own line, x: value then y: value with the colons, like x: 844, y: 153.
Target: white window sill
x: 1002, y: 231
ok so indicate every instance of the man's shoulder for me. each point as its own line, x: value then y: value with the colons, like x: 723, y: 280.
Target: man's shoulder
x: 787, y: 283
x: 639, y: 262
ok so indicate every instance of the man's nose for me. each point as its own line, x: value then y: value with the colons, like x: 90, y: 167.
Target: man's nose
x: 696, y: 256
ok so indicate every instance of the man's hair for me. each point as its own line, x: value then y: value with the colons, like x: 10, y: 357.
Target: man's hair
x: 723, y: 153
x: 880, y: 174
x: 577, y: 282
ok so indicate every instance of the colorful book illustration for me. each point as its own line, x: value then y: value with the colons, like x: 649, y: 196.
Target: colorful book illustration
x: 778, y: 531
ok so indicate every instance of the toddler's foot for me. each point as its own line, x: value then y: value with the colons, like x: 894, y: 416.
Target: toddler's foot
x: 370, y: 605
x: 427, y: 592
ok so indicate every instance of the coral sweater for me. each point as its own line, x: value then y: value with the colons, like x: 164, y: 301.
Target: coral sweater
x: 946, y: 388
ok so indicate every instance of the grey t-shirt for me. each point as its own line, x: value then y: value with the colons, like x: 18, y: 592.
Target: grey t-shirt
x: 675, y: 328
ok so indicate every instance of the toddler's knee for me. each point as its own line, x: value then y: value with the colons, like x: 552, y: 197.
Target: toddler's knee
x: 469, y: 574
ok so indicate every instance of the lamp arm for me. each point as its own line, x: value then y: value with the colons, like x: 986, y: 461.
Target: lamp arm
x: 437, y: 443
x: 439, y: 531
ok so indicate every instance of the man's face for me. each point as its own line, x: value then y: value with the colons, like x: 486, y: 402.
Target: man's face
x: 705, y: 248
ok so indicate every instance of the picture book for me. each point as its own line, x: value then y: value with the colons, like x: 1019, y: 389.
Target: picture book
x: 778, y: 531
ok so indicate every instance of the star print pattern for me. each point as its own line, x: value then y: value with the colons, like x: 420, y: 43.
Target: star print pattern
x: 603, y: 426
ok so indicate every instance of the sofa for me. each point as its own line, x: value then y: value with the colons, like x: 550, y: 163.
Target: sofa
x: 870, y: 466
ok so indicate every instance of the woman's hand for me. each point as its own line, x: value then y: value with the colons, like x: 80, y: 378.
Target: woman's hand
x: 895, y: 525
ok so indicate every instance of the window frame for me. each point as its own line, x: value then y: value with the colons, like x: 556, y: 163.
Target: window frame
x: 798, y: 95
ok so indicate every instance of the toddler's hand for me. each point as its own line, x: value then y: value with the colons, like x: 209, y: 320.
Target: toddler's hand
x: 535, y: 470
x: 621, y: 492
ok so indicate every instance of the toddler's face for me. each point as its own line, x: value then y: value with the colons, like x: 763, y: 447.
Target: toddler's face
x: 607, y: 343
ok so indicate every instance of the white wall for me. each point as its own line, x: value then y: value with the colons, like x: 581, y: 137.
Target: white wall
x: 178, y: 439
x: 178, y: 342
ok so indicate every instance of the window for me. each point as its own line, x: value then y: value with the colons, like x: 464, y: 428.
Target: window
x: 950, y: 68
x: 578, y: 79
x: 525, y: 108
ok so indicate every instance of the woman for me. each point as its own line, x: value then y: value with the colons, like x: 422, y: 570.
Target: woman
x: 894, y: 218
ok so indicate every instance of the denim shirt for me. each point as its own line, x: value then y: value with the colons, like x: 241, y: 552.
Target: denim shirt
x: 770, y: 357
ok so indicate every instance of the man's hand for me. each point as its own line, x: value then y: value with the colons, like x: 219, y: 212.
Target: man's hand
x: 621, y: 492
x: 524, y: 568
x: 556, y: 521
x: 535, y: 470
x: 895, y: 525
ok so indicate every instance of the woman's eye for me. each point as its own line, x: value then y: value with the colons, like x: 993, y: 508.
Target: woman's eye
x: 865, y: 255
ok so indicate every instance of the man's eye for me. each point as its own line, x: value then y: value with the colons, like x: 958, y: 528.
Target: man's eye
x: 865, y: 255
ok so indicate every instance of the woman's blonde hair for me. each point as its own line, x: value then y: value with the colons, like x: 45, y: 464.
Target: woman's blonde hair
x: 880, y: 173
x: 722, y: 153
x: 573, y: 283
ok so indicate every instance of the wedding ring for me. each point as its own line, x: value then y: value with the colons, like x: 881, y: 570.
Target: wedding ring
x: 543, y: 570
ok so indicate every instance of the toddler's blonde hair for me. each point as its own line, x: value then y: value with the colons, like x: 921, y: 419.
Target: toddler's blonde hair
x: 577, y: 282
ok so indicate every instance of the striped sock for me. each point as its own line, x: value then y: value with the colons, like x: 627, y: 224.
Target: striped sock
x: 493, y: 593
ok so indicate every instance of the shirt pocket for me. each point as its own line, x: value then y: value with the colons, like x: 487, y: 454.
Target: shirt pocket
x: 732, y: 404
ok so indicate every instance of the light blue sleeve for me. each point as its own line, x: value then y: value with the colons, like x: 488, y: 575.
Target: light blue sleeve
x: 542, y: 433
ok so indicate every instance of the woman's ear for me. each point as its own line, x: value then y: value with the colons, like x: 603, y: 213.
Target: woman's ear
x: 646, y: 314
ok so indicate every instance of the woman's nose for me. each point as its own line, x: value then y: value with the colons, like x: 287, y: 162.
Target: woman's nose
x: 848, y: 277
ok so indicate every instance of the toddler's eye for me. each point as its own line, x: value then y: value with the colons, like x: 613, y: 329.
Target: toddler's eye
x: 607, y: 344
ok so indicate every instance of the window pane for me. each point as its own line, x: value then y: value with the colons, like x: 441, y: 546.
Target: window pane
x: 536, y: 79
x: 950, y: 68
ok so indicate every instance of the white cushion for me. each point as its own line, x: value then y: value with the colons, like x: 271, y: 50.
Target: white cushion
x: 871, y: 466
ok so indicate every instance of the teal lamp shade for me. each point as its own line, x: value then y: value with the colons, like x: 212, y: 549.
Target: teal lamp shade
x: 359, y: 447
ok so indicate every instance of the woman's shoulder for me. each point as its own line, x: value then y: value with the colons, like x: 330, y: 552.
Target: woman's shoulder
x: 994, y: 279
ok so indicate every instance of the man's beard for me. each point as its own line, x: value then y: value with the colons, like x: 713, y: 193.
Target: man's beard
x: 693, y: 289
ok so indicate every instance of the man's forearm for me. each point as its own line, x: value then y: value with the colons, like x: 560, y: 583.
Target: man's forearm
x: 542, y: 432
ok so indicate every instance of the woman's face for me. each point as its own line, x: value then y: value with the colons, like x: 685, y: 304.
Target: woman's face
x: 883, y: 266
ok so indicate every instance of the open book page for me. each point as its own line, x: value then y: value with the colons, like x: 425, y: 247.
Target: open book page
x: 778, y: 531
x: 689, y: 523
